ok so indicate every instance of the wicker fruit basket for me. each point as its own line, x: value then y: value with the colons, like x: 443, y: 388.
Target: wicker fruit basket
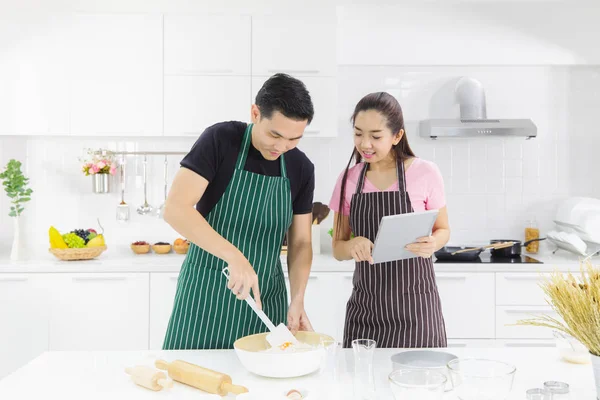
x: 85, y: 253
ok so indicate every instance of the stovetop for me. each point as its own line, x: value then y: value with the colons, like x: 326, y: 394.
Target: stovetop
x: 486, y: 258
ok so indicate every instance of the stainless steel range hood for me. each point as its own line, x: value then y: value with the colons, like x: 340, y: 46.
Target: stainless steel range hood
x: 473, y: 121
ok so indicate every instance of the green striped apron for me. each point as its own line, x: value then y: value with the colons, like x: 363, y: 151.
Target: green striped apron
x: 253, y: 214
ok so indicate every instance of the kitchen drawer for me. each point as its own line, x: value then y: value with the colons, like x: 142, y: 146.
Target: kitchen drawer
x: 519, y: 289
x: 510, y: 315
x: 467, y: 304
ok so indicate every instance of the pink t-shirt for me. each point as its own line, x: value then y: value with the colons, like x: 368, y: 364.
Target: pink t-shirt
x: 424, y: 184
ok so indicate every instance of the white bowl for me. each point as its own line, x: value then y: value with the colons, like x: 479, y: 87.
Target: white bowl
x: 571, y: 349
x: 251, y: 353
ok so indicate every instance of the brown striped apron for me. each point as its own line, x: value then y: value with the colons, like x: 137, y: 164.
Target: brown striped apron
x: 394, y: 303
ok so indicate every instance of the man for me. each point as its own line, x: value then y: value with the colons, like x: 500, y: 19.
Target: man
x: 250, y: 186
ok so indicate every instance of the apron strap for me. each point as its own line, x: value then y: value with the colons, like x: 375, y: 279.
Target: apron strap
x: 401, y: 176
x: 241, y: 160
x: 242, y: 155
x: 361, y: 179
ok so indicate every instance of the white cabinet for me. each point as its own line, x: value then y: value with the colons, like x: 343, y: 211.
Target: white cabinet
x: 34, y: 98
x: 193, y: 103
x: 507, y: 317
x: 323, y: 92
x: 99, y: 311
x: 162, y: 295
x: 325, y: 301
x: 24, y: 320
x: 467, y: 303
x: 297, y: 45
x: 207, y: 44
x: 116, y: 74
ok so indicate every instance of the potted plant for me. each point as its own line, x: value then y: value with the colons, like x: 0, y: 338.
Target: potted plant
x: 576, y: 301
x: 100, y: 165
x: 15, y: 185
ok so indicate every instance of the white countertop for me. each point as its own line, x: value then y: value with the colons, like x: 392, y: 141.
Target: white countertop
x: 111, y: 261
x: 100, y: 375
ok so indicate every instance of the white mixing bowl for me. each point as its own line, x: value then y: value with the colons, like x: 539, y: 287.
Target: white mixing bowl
x: 251, y: 353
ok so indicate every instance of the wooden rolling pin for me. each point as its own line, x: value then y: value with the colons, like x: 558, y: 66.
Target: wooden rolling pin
x: 149, y: 377
x: 201, y: 378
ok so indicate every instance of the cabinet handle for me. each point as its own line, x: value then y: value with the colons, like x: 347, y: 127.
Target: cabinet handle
x: 174, y: 278
x: 530, y: 345
x: 529, y: 311
x: 521, y: 278
x: 312, y: 132
x: 201, y: 71
x: 192, y: 133
x: 295, y: 71
x: 11, y: 279
x: 98, y: 278
x: 451, y: 278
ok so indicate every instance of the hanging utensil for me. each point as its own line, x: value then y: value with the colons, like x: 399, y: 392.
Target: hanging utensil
x: 161, y: 209
x: 123, y: 208
x: 145, y: 208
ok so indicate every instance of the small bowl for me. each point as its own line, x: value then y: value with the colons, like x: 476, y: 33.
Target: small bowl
x: 140, y: 248
x: 407, y: 384
x: 161, y: 248
x: 181, y: 248
x: 431, y: 360
x: 476, y: 378
x: 571, y: 349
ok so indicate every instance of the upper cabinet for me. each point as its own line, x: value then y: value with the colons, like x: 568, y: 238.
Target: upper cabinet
x: 34, y: 98
x: 469, y: 33
x: 116, y: 74
x: 207, y: 45
x: 299, y: 46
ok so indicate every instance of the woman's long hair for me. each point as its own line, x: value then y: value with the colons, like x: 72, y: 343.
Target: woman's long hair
x: 387, y: 106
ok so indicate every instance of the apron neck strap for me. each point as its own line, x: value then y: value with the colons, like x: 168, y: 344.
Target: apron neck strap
x: 399, y: 175
x: 243, y: 154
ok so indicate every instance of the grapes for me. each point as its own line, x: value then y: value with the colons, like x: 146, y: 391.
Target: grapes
x: 73, y: 240
x: 85, y: 234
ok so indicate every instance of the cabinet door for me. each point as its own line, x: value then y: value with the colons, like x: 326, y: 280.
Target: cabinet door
x: 203, y: 45
x: 193, y: 103
x: 34, y: 96
x: 507, y: 317
x: 24, y: 316
x: 296, y: 45
x: 162, y: 294
x: 116, y: 70
x: 320, y: 302
x: 101, y: 311
x: 323, y: 92
x: 464, y: 317
x: 513, y: 289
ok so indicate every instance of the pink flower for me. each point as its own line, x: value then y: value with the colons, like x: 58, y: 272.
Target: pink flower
x: 113, y: 169
x: 94, y: 169
x: 101, y: 164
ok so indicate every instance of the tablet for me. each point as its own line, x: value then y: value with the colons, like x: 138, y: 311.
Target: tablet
x: 396, y: 231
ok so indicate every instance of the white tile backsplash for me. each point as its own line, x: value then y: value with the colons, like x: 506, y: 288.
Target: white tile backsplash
x: 493, y: 185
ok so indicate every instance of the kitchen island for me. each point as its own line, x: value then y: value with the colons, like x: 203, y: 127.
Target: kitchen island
x: 100, y: 375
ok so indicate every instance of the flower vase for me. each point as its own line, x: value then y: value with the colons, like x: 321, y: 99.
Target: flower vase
x: 17, y: 253
x: 101, y: 183
x: 596, y: 367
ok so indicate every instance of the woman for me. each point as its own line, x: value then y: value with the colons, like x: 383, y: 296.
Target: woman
x: 241, y: 188
x: 394, y: 303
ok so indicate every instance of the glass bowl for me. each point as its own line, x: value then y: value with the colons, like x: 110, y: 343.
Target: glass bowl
x: 408, y: 384
x: 481, y: 379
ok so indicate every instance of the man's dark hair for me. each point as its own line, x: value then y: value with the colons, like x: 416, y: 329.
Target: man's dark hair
x: 287, y: 95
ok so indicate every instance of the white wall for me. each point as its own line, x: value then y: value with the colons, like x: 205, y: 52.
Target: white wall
x: 493, y: 185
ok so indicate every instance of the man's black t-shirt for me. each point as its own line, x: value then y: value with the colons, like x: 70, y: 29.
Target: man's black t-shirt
x: 214, y: 156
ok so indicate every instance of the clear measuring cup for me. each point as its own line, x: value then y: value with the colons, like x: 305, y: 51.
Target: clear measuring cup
x: 364, y: 377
